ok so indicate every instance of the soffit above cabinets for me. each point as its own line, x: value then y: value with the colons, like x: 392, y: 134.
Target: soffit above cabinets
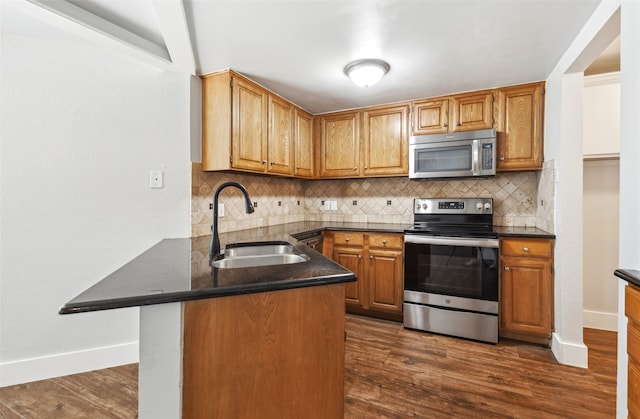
x: 299, y: 48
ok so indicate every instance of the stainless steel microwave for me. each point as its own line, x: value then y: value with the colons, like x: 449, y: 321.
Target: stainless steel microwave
x: 460, y: 154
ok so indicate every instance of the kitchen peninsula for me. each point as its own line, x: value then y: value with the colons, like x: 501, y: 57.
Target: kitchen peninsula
x: 232, y: 342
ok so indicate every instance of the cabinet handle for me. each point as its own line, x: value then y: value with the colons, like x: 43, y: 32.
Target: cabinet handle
x: 458, y: 124
x: 526, y: 249
x: 501, y: 158
x: 506, y: 268
x: 444, y: 125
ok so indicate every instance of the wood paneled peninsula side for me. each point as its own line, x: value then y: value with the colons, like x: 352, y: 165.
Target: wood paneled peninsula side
x: 222, y: 343
x: 632, y: 311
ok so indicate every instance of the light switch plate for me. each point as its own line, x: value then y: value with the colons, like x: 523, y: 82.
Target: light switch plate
x: 220, y: 210
x: 334, y: 205
x: 327, y: 205
x: 156, y: 179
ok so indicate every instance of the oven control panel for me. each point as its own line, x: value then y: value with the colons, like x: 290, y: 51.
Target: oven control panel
x: 453, y: 206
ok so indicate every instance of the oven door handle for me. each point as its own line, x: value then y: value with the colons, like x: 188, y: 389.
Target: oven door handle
x: 451, y: 241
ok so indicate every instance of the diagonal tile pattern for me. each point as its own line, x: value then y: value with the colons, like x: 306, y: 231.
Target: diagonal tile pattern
x: 378, y: 200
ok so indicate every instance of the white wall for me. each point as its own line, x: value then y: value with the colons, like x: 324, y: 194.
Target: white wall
x: 602, y: 116
x: 629, y: 176
x: 601, y: 192
x: 81, y: 128
x: 563, y: 143
x: 600, y: 233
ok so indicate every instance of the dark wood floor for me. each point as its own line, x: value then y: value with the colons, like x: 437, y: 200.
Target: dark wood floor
x: 390, y: 373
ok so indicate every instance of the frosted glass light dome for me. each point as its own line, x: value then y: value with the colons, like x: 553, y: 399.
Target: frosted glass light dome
x: 365, y: 73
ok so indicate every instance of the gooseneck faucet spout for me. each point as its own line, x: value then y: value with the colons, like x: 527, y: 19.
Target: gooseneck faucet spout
x: 214, y: 247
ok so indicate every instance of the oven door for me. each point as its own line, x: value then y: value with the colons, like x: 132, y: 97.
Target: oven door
x: 446, y: 159
x: 451, y: 266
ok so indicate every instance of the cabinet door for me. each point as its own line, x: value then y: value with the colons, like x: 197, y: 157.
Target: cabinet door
x: 520, y: 127
x: 525, y: 301
x: 471, y: 111
x: 303, y: 144
x: 386, y: 144
x: 340, y: 145
x: 384, y: 274
x: 249, y: 126
x: 281, y: 136
x: 431, y: 117
x: 351, y: 259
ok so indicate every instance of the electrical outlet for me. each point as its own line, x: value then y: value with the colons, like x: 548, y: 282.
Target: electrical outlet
x: 156, y: 179
x: 220, y: 210
x: 327, y: 205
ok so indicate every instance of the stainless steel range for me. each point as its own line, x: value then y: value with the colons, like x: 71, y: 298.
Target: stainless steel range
x: 451, y: 269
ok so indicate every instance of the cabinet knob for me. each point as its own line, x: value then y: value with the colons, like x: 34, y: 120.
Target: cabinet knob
x: 347, y: 239
x: 359, y: 256
x: 365, y: 168
x: 458, y: 124
x: 444, y: 125
x: 272, y: 163
x: 506, y: 268
x: 355, y: 168
x: 264, y: 162
x: 384, y: 242
x: 526, y: 249
x: 371, y: 257
x: 501, y: 158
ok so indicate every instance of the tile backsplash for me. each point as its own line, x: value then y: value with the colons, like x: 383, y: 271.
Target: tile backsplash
x: 282, y: 200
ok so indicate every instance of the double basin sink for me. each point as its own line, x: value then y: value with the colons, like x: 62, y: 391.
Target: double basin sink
x: 249, y: 255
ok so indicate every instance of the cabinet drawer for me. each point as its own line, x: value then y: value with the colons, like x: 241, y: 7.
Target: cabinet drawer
x: 348, y: 238
x: 632, y: 304
x: 537, y: 248
x: 386, y: 241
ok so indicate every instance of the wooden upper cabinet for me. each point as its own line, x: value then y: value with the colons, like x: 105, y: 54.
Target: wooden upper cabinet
x: 303, y: 144
x: 464, y: 112
x: 281, y: 136
x: 520, y: 115
x: 431, y: 116
x: 385, y: 141
x: 471, y: 111
x: 340, y: 144
x: 249, y: 133
x: 247, y: 128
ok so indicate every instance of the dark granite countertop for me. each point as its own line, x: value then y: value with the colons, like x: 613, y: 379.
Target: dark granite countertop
x: 629, y: 275
x: 178, y: 269
x: 531, y: 232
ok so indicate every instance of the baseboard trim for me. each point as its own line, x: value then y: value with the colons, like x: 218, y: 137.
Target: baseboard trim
x: 566, y: 353
x: 600, y: 320
x: 35, y: 369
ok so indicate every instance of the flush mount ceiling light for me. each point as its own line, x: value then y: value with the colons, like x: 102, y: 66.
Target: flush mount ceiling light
x: 368, y: 72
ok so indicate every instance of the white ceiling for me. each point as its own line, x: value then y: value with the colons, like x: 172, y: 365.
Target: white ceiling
x: 299, y: 48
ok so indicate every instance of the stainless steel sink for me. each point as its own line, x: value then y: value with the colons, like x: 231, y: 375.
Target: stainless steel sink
x: 259, y: 254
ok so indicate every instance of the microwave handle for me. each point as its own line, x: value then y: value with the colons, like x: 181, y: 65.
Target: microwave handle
x: 475, y: 158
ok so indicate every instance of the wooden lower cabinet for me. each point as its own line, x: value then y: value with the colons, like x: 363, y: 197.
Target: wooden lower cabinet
x: 526, y: 289
x: 632, y: 311
x: 269, y: 355
x: 377, y: 261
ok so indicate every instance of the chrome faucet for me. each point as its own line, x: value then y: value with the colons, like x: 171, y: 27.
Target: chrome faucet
x: 214, y: 247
